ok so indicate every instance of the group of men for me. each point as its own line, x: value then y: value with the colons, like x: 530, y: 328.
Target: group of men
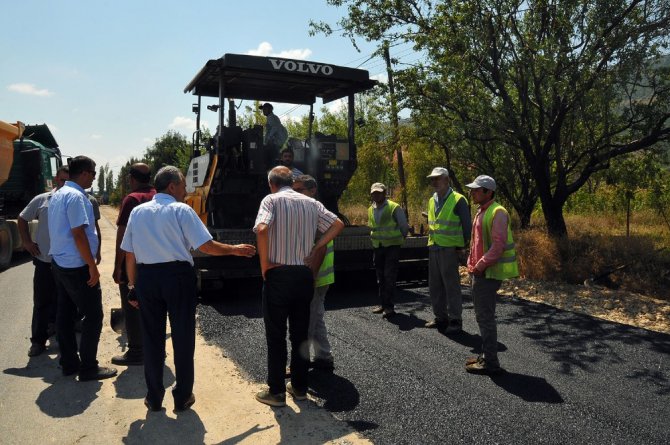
x: 153, y: 267
x: 486, y: 246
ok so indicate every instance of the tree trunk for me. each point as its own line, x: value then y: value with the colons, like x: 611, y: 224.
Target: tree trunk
x: 553, y: 216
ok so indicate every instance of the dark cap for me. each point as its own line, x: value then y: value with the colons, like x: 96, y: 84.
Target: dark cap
x: 266, y: 104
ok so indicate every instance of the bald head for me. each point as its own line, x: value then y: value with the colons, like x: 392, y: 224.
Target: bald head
x: 279, y: 177
x: 140, y: 174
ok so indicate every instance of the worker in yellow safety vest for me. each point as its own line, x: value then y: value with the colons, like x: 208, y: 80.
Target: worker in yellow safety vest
x: 492, y: 259
x: 449, y: 226
x: 388, y: 229
x: 317, y: 334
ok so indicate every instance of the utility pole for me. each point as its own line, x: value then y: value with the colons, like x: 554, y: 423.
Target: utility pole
x: 395, y: 141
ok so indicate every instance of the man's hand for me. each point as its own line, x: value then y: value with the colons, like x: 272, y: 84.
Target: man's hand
x: 31, y: 248
x: 94, y: 275
x: 132, y: 298
x: 116, y: 275
x: 98, y: 257
x: 315, y: 259
x: 246, y: 250
x: 462, y: 256
x: 474, y: 271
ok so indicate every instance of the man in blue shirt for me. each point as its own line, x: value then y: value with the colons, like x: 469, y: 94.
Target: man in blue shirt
x: 74, y: 246
x: 158, y: 240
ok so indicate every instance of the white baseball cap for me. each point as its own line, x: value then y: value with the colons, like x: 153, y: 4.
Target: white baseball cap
x: 482, y: 181
x: 437, y: 172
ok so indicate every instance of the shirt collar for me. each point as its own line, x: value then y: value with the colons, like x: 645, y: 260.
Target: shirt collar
x: 437, y: 198
x: 74, y: 185
x: 164, y: 197
x: 286, y: 188
x: 380, y: 206
x: 486, y: 205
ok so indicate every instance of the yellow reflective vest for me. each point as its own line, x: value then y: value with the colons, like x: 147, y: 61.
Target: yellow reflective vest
x: 387, y: 232
x: 445, y: 229
x: 507, y: 266
x: 326, y: 273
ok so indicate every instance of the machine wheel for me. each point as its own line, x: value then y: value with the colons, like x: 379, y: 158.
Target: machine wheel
x: 6, y: 245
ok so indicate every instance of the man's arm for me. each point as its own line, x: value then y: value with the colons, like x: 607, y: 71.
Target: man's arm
x: 120, y: 255
x: 131, y: 271
x: 98, y: 254
x: 401, y: 219
x: 212, y: 247
x: 263, y: 246
x: 84, y: 248
x: 26, y: 240
x: 312, y: 261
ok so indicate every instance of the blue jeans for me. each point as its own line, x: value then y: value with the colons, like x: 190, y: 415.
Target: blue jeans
x: 77, y: 299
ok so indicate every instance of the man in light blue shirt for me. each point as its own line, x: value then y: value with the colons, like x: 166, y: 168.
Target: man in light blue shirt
x: 158, y: 241
x: 74, y: 245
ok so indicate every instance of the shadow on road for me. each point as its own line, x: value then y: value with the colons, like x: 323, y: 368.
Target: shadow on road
x: 159, y: 428
x: 528, y: 388
x: 64, y: 397
x: 336, y: 392
x: 580, y: 342
x: 248, y: 433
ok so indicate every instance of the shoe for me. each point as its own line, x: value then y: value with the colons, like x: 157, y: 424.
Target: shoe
x: 127, y: 360
x: 100, y: 373
x: 473, y: 359
x: 151, y: 407
x: 36, y: 349
x: 434, y: 324
x: 454, y: 327
x: 480, y: 367
x: 388, y: 313
x: 377, y: 310
x: 186, y: 405
x: 297, y: 395
x: 322, y: 363
x: 271, y: 399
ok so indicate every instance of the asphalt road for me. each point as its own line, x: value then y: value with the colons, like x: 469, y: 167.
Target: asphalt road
x: 571, y: 378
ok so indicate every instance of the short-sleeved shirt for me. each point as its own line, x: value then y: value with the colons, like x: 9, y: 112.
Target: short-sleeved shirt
x: 70, y: 208
x: 293, y: 220
x: 38, y: 208
x: 163, y: 230
x: 132, y: 200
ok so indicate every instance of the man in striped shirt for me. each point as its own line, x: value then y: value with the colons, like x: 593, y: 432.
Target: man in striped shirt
x: 286, y: 227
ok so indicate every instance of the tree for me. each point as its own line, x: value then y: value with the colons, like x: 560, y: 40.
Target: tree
x: 556, y: 88
x: 170, y: 149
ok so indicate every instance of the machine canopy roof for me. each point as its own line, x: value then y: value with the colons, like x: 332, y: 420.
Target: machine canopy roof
x: 274, y: 79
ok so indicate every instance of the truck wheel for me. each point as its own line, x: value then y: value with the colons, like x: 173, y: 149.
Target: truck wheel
x: 6, y: 246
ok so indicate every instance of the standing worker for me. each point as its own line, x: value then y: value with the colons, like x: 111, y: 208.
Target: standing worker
x: 492, y: 259
x: 286, y: 228
x: 388, y: 229
x: 158, y: 239
x: 275, y: 135
x: 140, y: 192
x: 44, y: 286
x: 317, y: 333
x: 74, y: 245
x: 449, y: 228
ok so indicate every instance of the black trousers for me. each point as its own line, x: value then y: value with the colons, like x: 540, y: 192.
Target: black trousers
x: 75, y: 299
x: 386, y: 265
x: 133, y: 324
x: 287, y: 294
x: 45, y: 300
x: 167, y: 290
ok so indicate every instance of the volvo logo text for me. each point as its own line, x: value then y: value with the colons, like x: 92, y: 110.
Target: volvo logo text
x: 302, y: 67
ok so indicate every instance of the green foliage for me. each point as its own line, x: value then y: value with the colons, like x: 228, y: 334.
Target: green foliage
x: 542, y: 95
x: 170, y: 149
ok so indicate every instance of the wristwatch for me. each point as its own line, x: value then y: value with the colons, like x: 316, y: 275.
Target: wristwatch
x: 130, y: 286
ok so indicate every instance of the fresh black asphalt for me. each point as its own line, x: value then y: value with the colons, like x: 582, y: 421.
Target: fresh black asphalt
x: 570, y: 378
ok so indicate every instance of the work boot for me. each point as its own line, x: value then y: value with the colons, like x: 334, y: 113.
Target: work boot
x: 297, y: 395
x: 483, y: 368
x: 377, y: 310
x: 128, y: 359
x: 322, y: 363
x: 100, y: 373
x: 277, y: 400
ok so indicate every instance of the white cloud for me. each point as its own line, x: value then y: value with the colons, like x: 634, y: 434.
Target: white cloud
x: 182, y: 123
x: 29, y: 88
x: 96, y: 136
x: 336, y: 105
x: 265, y: 49
x: 381, y: 77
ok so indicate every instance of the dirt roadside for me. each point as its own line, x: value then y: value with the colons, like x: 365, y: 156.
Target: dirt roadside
x: 225, y: 409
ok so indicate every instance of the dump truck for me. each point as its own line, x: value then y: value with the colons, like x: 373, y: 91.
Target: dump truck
x: 227, y: 175
x: 29, y: 160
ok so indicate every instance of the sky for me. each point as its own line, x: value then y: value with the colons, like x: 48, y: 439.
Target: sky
x: 108, y: 77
